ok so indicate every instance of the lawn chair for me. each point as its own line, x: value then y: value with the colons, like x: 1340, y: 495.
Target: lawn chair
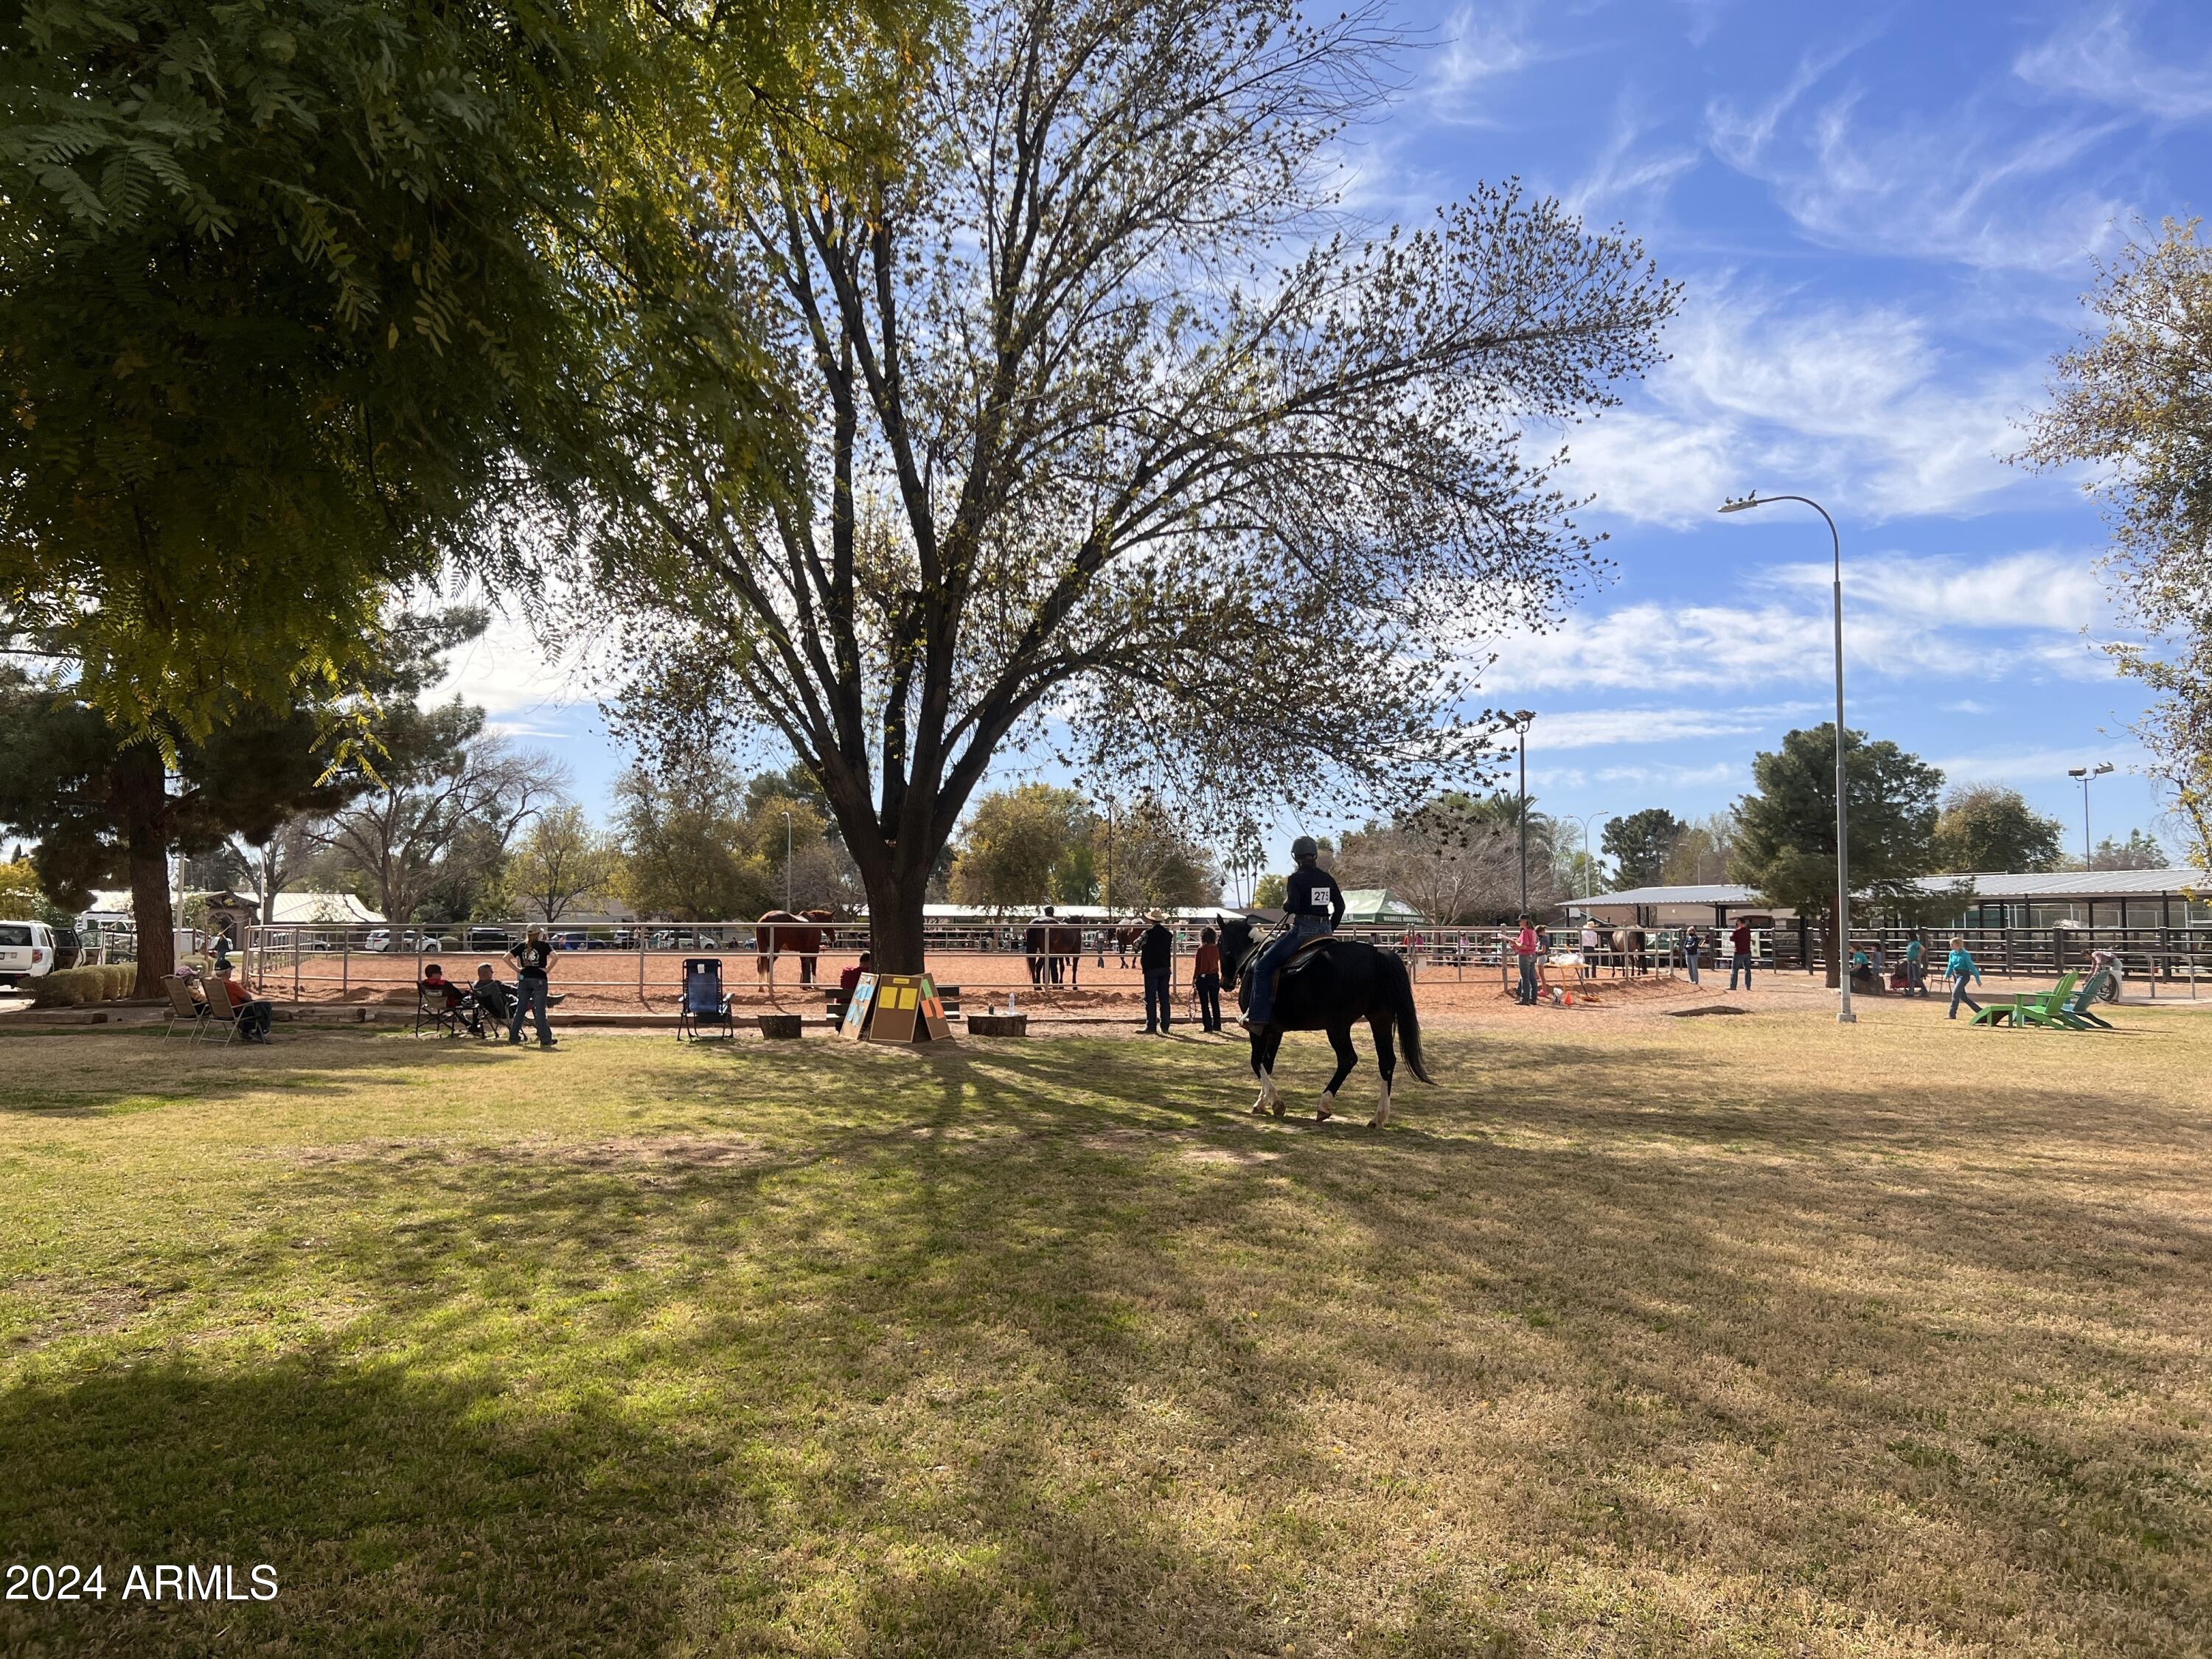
x: 2076, y: 1014
x: 436, y: 1012
x: 186, y: 1011
x: 705, y: 1004
x: 2043, y: 1008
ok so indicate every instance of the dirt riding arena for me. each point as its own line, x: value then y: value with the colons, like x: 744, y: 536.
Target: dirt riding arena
x: 651, y: 983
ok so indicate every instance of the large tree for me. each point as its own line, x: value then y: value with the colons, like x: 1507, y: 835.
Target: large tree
x: 1640, y: 843
x: 107, y: 804
x: 1786, y: 829
x: 1988, y: 827
x: 1102, y: 424
x: 2134, y: 400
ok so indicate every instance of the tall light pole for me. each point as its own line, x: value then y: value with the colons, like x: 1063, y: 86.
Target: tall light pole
x: 1585, y: 821
x: 1521, y: 718
x: 786, y: 860
x: 2087, y: 776
x: 1843, y: 1014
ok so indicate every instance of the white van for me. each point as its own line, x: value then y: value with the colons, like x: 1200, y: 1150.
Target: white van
x: 26, y: 951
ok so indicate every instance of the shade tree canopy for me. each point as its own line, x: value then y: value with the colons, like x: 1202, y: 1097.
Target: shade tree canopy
x: 1640, y: 843
x: 1786, y: 827
x: 1105, y: 428
x: 1988, y: 826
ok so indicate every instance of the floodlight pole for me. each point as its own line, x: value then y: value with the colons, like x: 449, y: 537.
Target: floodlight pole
x: 1520, y: 719
x: 786, y: 860
x: 2087, y: 776
x: 1585, y: 821
x: 1843, y: 1014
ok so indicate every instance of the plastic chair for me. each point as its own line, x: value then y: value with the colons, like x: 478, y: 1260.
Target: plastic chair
x: 705, y: 1005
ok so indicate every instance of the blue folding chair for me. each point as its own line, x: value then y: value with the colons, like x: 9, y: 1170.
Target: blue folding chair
x: 705, y: 1004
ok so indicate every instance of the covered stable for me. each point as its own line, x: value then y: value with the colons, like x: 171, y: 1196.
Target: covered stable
x: 2069, y: 898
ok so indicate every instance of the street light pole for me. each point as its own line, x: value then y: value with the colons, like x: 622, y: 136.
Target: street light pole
x: 1585, y: 821
x: 1521, y: 718
x: 1843, y: 1014
x: 2087, y: 776
x: 786, y: 860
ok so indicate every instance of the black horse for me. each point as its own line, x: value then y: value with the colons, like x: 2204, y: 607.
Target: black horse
x: 1346, y: 981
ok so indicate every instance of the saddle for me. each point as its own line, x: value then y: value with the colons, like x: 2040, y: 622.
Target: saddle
x: 1305, y: 954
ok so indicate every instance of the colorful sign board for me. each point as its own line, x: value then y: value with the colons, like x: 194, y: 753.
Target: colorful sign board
x: 895, y: 1008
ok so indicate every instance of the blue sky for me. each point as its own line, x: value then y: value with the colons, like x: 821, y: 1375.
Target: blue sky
x: 1884, y: 221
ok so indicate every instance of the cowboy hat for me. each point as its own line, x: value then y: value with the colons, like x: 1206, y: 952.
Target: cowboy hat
x: 1154, y: 915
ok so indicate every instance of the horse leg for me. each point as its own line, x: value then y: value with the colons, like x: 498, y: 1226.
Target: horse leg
x: 1386, y: 1061
x: 1265, y: 1047
x: 1339, y: 1038
x: 1259, y: 1071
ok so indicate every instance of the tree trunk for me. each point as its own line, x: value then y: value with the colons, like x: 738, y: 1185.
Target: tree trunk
x: 142, y: 786
x: 897, y: 889
x: 1832, y: 950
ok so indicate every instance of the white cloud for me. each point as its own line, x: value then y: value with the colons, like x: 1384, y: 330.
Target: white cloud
x: 2037, y: 767
x: 2015, y: 617
x: 1857, y: 404
x: 1976, y: 184
x: 2097, y: 58
x: 510, y: 675
x: 1622, y: 177
x: 1593, y: 728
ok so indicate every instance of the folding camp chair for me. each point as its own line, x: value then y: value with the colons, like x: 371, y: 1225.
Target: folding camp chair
x: 436, y: 1012
x: 186, y: 1011
x: 705, y: 1005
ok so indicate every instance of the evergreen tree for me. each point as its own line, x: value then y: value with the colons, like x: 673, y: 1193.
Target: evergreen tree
x: 1640, y: 844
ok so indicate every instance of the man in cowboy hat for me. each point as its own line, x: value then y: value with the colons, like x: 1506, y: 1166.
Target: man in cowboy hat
x: 1155, y: 955
x: 1312, y: 903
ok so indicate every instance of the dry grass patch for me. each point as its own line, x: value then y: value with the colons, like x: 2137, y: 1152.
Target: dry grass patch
x: 1708, y: 1336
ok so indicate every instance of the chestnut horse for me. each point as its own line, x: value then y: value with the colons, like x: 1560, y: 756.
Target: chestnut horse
x: 803, y: 936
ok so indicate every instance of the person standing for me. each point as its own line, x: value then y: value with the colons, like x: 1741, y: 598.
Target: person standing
x: 1589, y: 951
x: 1916, y: 967
x: 1961, y: 968
x: 533, y: 961
x: 1205, y: 980
x: 1156, y: 956
x: 1528, y: 946
x: 1740, y: 958
x: 1313, y: 904
x: 1693, y: 947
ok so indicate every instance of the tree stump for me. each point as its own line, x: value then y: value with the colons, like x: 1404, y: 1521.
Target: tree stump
x: 780, y: 1027
x: 998, y: 1024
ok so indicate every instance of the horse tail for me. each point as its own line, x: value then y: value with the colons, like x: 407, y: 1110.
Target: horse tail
x: 1402, y: 1012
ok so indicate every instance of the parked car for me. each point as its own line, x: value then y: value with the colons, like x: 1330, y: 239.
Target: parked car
x: 26, y: 951
x: 378, y: 940
x: 490, y: 938
x: 569, y: 941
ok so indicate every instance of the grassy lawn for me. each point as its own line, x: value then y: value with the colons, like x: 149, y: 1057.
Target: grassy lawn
x: 1726, y: 1336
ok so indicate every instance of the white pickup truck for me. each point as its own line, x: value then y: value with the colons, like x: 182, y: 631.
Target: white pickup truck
x: 26, y: 951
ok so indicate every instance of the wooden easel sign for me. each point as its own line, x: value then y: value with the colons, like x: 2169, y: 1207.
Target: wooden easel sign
x: 895, y: 1008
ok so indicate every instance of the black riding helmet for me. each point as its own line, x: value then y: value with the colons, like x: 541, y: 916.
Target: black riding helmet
x: 1305, y: 850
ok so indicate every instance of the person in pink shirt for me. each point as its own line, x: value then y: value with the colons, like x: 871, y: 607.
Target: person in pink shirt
x: 1527, y: 947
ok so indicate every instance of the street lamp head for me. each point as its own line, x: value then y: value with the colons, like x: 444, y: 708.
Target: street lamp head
x: 2102, y: 770
x: 1745, y: 505
x: 1522, y: 716
x: 2077, y: 771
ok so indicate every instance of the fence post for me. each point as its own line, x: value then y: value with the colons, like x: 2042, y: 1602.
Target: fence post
x: 295, y: 965
x: 641, y: 962
x: 345, y: 966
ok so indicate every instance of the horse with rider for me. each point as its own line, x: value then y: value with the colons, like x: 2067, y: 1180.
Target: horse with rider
x: 1303, y: 978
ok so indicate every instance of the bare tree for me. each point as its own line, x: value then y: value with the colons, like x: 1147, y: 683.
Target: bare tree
x: 444, y: 821
x: 1100, y: 419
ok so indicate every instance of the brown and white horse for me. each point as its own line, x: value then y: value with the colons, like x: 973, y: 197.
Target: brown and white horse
x: 803, y: 935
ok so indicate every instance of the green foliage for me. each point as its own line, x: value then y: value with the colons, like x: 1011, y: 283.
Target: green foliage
x: 1640, y: 843
x: 283, y: 324
x: 101, y: 802
x: 2130, y: 401
x: 2140, y: 851
x: 1988, y: 827
x: 23, y: 899
x: 1022, y: 847
x: 1269, y: 892
x: 695, y: 847
x: 1787, y: 829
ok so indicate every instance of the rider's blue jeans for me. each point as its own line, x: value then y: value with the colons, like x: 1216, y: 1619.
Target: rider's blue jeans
x: 1273, y: 958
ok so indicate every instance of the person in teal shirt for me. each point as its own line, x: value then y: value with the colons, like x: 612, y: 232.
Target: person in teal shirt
x: 1915, y: 978
x: 1961, y: 968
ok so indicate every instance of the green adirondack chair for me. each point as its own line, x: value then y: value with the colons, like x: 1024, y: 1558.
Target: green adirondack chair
x: 2043, y: 1008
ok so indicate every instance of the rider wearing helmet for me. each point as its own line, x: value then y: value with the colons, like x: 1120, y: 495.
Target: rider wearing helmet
x: 1313, y: 904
